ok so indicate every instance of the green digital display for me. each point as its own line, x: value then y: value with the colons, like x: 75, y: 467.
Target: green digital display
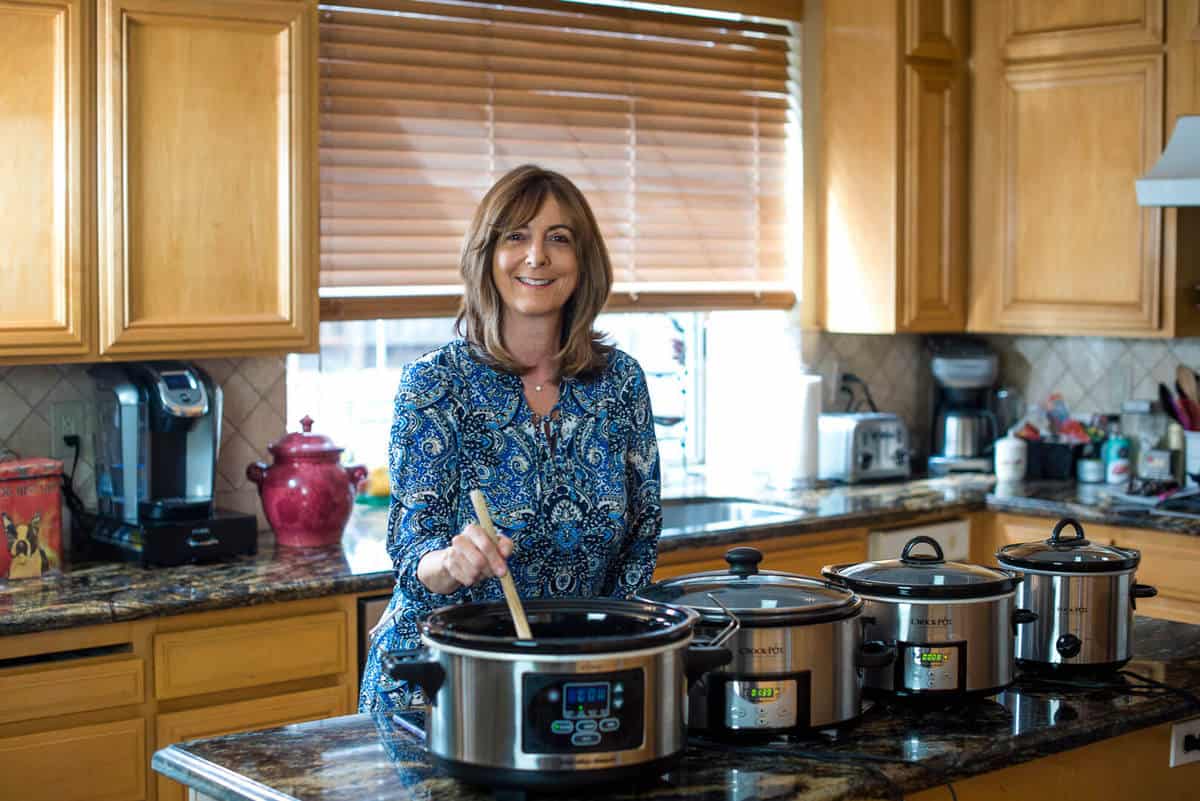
x: 933, y: 658
x: 762, y: 692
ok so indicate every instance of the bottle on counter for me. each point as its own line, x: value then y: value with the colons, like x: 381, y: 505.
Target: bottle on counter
x: 1089, y: 468
x: 1118, y: 467
x: 1177, y: 444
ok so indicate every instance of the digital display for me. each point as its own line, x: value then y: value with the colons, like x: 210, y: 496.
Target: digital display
x: 585, y: 701
x: 177, y: 381
x: 932, y: 659
x: 763, y: 693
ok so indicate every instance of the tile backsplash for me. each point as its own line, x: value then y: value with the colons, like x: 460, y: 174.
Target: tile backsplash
x: 255, y: 413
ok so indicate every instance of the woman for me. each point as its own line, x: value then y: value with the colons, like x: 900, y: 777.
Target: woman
x: 533, y: 408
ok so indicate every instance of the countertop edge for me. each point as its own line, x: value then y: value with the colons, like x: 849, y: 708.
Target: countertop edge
x: 211, y: 779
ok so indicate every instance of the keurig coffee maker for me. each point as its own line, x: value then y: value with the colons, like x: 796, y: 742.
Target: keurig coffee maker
x: 157, y: 435
x: 964, y: 427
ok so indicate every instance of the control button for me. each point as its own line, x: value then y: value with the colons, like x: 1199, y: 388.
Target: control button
x: 618, y: 688
x: 562, y: 726
x: 585, y: 738
x: 585, y: 725
x: 1068, y: 645
x: 737, y: 713
x: 553, y: 696
x: 864, y: 460
x: 618, y: 703
x: 185, y: 398
x: 610, y: 724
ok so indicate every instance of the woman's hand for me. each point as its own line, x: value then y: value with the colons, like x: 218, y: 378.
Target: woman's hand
x: 471, y: 558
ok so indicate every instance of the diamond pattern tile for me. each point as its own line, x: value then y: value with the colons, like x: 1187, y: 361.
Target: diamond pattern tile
x: 36, y: 382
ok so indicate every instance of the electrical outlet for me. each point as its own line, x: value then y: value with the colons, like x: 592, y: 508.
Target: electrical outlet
x: 66, y: 418
x: 1185, y: 742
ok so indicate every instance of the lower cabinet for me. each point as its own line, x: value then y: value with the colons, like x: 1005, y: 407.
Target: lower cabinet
x: 801, y: 553
x: 259, y: 713
x: 100, y: 762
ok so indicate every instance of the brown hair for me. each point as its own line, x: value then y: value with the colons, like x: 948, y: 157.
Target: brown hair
x: 512, y: 202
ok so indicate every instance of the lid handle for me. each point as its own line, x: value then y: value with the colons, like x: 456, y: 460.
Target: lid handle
x: 1072, y: 542
x: 306, y: 423
x: 743, y: 561
x: 922, y: 559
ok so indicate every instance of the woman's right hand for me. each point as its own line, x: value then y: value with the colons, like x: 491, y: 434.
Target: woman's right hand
x: 471, y: 558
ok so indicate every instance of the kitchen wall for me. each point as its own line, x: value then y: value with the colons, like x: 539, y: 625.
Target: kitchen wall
x: 255, y: 395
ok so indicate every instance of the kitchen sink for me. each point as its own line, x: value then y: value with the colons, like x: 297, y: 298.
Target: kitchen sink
x: 695, y: 515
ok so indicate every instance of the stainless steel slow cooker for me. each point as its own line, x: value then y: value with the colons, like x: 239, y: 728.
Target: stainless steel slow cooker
x: 1084, y: 594
x: 796, y: 644
x: 597, y: 695
x: 951, y: 623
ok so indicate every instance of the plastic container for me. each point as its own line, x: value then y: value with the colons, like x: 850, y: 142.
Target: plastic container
x: 1011, y: 458
x: 31, y: 514
x: 1117, y: 455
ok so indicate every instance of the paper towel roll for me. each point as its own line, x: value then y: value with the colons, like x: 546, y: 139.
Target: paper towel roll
x: 796, y: 438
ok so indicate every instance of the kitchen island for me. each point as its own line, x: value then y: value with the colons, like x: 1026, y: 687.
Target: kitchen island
x: 1039, y: 739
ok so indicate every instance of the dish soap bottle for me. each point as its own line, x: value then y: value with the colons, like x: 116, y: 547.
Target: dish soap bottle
x: 1118, y: 468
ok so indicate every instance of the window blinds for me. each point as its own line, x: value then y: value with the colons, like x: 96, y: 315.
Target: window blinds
x: 682, y: 131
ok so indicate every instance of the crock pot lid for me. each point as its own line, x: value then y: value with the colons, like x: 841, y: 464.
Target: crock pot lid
x: 754, y: 595
x: 561, y: 626
x: 923, y: 574
x: 1068, y: 554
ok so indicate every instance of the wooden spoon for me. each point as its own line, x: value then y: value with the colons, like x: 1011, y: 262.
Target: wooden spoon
x: 506, y: 581
x: 1187, y: 382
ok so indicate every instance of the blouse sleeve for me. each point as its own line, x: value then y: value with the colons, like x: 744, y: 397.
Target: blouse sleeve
x: 634, y: 566
x: 423, y: 463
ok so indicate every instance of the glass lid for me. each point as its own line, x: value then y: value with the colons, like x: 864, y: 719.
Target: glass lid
x: 560, y: 626
x: 923, y: 575
x: 1074, y: 554
x: 755, y: 597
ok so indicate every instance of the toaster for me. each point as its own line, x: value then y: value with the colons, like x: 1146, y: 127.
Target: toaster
x: 862, y: 446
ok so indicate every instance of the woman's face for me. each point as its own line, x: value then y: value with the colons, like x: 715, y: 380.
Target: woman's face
x: 534, y: 266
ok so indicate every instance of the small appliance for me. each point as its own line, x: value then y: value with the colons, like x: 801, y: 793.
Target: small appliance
x: 157, y: 435
x: 862, y: 446
x: 964, y: 427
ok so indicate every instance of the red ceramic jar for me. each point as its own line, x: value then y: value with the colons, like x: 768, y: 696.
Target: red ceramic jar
x: 306, y: 494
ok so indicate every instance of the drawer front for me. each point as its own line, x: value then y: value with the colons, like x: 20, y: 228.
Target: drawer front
x: 261, y: 713
x: 62, y: 688
x: 249, y: 654
x: 105, y: 762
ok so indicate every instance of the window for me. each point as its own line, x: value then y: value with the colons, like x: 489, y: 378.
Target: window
x: 681, y: 129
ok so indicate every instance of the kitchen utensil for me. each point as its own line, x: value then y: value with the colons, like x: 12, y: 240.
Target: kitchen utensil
x: 796, y: 649
x: 1185, y: 379
x: 951, y: 623
x: 863, y: 446
x: 596, y: 696
x: 1084, y: 595
x: 1173, y: 408
x: 506, y: 581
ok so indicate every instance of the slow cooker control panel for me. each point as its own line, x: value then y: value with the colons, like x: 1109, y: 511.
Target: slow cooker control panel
x: 931, y: 668
x: 578, y: 712
x: 764, y: 703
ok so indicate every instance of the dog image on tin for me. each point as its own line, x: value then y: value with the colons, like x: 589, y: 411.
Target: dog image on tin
x: 29, y: 558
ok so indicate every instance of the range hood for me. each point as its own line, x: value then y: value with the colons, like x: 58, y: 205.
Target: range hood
x: 1175, y: 179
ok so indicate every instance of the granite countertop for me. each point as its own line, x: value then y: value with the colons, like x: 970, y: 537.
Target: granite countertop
x: 893, y: 750
x: 112, y: 592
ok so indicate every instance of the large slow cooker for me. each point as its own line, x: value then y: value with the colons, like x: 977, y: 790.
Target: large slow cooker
x: 796, y: 644
x: 597, y: 695
x: 1084, y: 594
x: 952, y: 623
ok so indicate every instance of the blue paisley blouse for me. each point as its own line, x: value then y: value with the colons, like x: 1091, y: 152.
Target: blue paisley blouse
x: 577, y: 490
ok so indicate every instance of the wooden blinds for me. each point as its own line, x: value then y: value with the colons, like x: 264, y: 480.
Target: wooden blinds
x: 682, y: 131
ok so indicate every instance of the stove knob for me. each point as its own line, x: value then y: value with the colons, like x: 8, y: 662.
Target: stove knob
x: 1068, y: 645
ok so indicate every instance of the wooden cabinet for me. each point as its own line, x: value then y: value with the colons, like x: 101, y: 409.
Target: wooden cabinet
x: 45, y: 294
x: 803, y: 553
x: 894, y: 106
x: 1170, y: 562
x: 193, y: 232
x: 102, y: 762
x: 207, y: 220
x: 1068, y: 113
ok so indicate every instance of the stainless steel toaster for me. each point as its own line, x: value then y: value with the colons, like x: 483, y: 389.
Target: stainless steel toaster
x: 862, y: 446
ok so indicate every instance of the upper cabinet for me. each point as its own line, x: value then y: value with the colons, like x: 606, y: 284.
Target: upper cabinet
x: 45, y: 294
x: 201, y: 236
x: 894, y: 107
x: 1069, y: 110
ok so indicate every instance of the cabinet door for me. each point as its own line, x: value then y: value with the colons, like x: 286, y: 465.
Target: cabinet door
x: 43, y: 297
x: 932, y: 286
x: 1170, y: 563
x: 101, y: 762
x: 1038, y: 29
x: 261, y: 713
x: 1060, y: 244
x: 207, y: 180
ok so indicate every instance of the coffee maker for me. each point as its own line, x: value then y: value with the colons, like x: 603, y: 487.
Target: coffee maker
x: 964, y: 426
x: 156, y: 438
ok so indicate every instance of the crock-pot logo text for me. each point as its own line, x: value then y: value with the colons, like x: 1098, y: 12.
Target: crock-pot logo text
x: 769, y: 650
x: 931, y: 621
x: 1070, y: 609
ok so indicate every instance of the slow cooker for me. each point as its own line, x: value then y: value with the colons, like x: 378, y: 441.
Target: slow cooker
x: 952, y: 623
x: 797, y: 647
x: 597, y: 695
x: 1084, y: 594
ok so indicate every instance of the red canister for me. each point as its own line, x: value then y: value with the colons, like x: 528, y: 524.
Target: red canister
x: 31, y: 514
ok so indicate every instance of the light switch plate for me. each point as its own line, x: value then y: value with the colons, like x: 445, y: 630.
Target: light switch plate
x: 1185, y: 733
